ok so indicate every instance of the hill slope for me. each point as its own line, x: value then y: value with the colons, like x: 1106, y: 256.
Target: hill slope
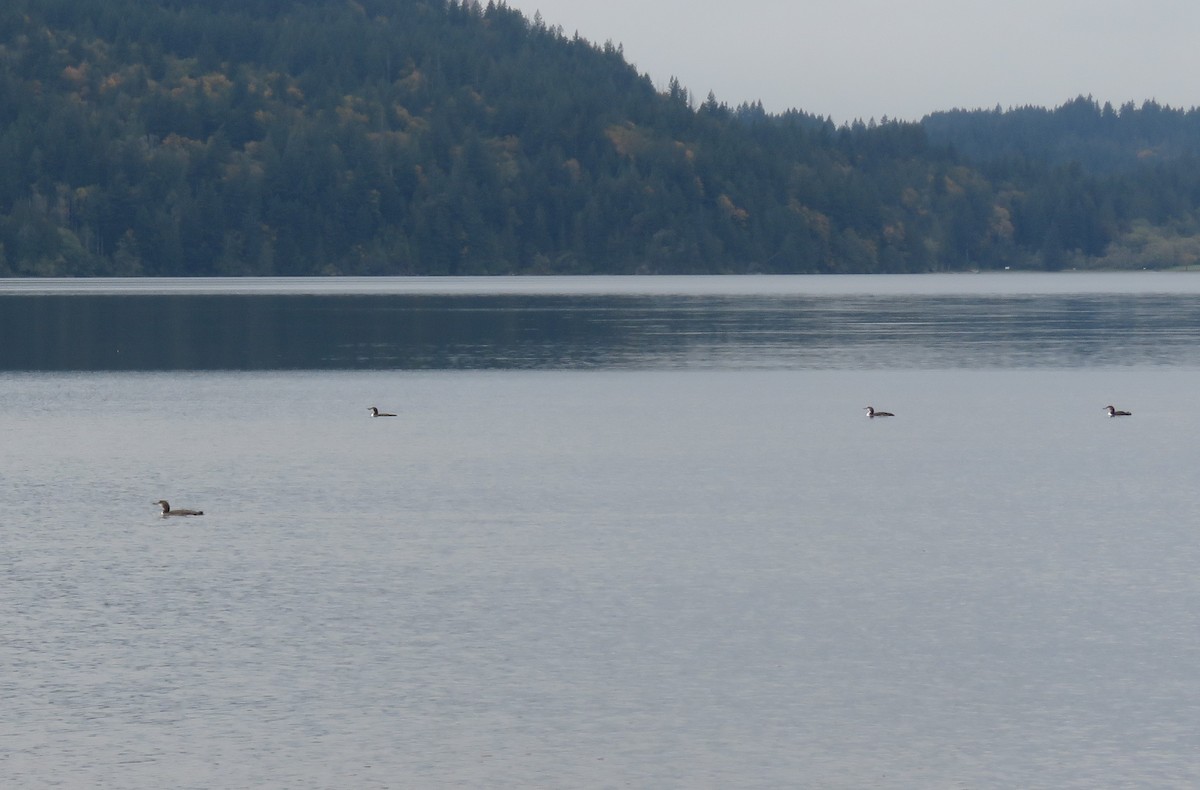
x: 203, y: 137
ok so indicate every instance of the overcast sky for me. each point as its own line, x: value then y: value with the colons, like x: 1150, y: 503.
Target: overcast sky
x: 865, y: 59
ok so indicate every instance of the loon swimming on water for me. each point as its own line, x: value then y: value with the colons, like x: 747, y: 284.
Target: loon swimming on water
x: 1113, y: 411
x: 377, y: 413
x: 166, y: 510
x: 872, y: 413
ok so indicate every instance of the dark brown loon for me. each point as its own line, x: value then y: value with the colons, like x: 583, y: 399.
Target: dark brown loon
x: 377, y: 413
x: 872, y: 413
x: 166, y: 510
x: 1113, y: 411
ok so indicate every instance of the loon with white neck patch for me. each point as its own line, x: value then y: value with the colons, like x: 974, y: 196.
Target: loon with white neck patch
x: 377, y: 413
x: 1113, y: 411
x: 872, y: 413
x: 167, y: 511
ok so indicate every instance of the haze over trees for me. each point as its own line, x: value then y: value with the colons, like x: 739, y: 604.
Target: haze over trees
x: 271, y: 137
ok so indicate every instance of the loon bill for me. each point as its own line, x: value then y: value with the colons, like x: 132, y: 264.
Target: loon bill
x: 166, y: 510
x: 1113, y: 411
x: 872, y: 413
x: 377, y: 413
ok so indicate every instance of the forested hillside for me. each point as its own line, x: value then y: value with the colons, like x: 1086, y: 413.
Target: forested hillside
x: 1102, y: 139
x: 223, y: 137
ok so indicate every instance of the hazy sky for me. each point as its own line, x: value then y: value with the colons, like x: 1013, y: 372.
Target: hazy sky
x: 870, y: 58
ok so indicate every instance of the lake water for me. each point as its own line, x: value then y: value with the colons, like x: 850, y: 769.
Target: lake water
x: 622, y: 533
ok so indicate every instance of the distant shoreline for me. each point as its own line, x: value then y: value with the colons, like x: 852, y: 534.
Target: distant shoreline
x: 715, y: 285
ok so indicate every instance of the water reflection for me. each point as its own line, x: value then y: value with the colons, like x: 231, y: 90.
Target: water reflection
x: 212, y: 331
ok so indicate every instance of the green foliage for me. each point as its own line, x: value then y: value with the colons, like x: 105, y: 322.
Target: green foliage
x: 221, y: 137
x: 1101, y: 139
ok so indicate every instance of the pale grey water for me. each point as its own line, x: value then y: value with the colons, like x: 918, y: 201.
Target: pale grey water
x: 703, y: 568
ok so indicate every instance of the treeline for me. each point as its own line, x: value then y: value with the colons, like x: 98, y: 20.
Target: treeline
x: 1100, y: 138
x: 225, y: 137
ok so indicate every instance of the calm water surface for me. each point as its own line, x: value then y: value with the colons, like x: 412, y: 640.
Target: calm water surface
x: 932, y: 321
x: 621, y: 534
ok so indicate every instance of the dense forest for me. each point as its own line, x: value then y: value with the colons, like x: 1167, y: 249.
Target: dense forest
x: 273, y: 137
